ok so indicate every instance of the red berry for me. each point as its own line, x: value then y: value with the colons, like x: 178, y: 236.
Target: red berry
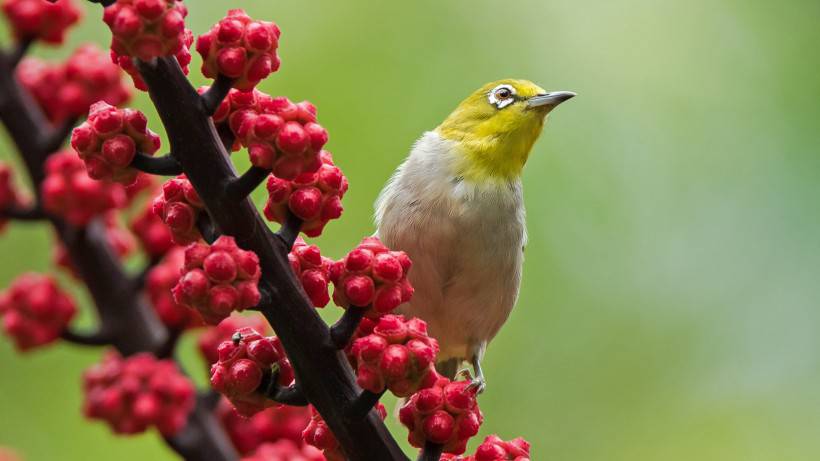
x: 178, y: 206
x: 241, y: 48
x: 318, y: 434
x: 134, y: 393
x: 214, y: 336
x: 218, y: 279
x: 161, y: 279
x: 36, y: 19
x: 243, y: 362
x: 312, y: 270
x: 446, y: 413
x: 35, y: 311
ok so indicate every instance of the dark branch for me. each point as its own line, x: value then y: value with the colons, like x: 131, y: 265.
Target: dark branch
x: 290, y: 230
x: 166, y: 165
x: 324, y: 376
x: 430, y: 452
x: 241, y: 187
x: 363, y: 404
x: 167, y: 349
x: 291, y: 395
x: 209, y: 398
x: 23, y: 214
x: 97, y: 338
x: 139, y: 279
x: 19, y: 52
x: 212, y: 98
x: 206, y: 228
x: 343, y: 330
x: 55, y: 139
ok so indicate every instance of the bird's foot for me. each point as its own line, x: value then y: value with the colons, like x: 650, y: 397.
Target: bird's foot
x: 477, y: 384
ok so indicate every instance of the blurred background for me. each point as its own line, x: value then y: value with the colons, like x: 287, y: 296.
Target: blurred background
x: 669, y: 308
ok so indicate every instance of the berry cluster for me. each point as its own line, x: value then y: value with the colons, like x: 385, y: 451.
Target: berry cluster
x: 179, y: 206
x: 285, y: 450
x: 315, y: 198
x: 245, y: 362
x: 159, y: 282
x: 284, y: 137
x: 318, y: 434
x: 119, y: 239
x: 372, y: 275
x: 218, y: 279
x: 212, y: 337
x: 110, y: 138
x: 495, y: 449
x: 146, y: 29
x: 35, y: 311
x: 68, y: 89
x: 8, y: 194
x: 136, y: 392
x: 69, y: 192
x: 153, y: 235
x: 269, y: 425
x: 446, y: 414
x: 236, y: 102
x: 240, y: 48
x: 312, y: 269
x: 36, y: 19
x: 397, y: 355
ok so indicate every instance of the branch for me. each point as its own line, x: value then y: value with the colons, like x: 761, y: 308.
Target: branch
x: 206, y: 228
x: 241, y: 187
x: 290, y: 230
x: 131, y: 322
x: 23, y: 214
x: 97, y: 338
x: 166, y: 165
x: 212, y: 98
x: 430, y: 452
x: 363, y: 404
x: 58, y: 135
x: 291, y: 395
x: 323, y: 374
x: 345, y: 328
x: 140, y: 278
x: 19, y: 52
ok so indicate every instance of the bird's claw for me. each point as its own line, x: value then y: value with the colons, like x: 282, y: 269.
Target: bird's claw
x: 478, y: 384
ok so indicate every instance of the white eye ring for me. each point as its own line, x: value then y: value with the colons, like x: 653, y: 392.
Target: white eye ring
x: 501, y: 103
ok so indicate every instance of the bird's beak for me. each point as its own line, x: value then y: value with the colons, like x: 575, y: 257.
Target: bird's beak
x: 549, y: 100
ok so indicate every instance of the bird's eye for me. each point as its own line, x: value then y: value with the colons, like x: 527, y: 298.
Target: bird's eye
x: 503, y: 93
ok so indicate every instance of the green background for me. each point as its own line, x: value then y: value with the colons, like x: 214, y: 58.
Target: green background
x: 669, y: 308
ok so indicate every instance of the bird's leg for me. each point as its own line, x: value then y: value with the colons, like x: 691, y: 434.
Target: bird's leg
x: 478, y: 383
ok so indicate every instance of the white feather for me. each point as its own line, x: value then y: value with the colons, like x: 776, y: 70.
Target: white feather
x: 466, y: 242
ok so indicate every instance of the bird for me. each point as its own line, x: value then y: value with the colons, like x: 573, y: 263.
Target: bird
x: 455, y: 206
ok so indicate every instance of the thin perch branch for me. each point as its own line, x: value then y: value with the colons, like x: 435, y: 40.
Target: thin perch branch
x: 430, y: 452
x: 166, y: 165
x: 96, y: 338
x: 214, y: 96
x: 290, y: 230
x: 242, y: 186
x: 363, y: 404
x: 23, y: 214
x: 345, y: 327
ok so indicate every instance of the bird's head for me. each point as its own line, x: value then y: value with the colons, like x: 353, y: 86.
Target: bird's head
x: 496, y: 126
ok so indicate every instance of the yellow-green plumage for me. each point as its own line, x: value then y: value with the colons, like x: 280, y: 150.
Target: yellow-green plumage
x: 456, y: 207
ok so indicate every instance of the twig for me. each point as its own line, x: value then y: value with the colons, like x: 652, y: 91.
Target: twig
x: 167, y: 349
x: 206, y: 228
x: 58, y: 134
x: 166, y: 165
x: 21, y: 48
x: 291, y: 395
x: 142, y: 276
x: 430, y: 452
x: 290, y: 230
x: 242, y: 186
x: 23, y: 214
x: 96, y: 338
x: 345, y: 327
x: 363, y: 404
x: 214, y: 96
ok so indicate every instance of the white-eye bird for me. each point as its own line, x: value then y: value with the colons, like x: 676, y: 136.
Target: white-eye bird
x: 456, y: 207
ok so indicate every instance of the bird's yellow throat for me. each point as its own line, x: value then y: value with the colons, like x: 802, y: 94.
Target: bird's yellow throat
x: 494, y: 143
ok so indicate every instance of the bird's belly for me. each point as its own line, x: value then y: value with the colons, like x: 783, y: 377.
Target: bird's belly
x: 466, y: 272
